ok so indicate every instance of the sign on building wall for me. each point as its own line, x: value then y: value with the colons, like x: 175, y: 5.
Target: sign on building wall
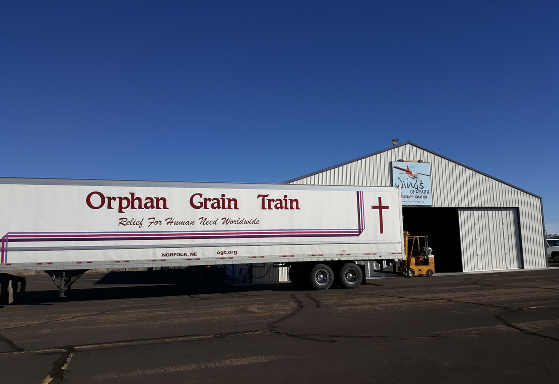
x: 414, y: 179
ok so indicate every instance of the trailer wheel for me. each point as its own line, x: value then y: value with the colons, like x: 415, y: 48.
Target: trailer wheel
x: 321, y: 276
x: 350, y: 276
x: 429, y: 273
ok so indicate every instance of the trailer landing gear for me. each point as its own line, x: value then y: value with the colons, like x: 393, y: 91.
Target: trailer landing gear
x: 65, y: 279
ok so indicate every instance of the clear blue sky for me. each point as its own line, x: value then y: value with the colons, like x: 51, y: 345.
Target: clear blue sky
x: 265, y: 91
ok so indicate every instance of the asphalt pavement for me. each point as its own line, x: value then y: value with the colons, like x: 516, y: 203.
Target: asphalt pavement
x: 137, y: 327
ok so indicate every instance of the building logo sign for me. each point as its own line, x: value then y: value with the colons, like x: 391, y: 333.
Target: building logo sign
x: 414, y: 179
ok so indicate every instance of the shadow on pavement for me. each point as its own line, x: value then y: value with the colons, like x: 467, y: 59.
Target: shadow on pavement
x: 146, y: 284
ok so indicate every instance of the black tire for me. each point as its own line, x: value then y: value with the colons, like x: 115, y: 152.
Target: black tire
x: 429, y: 273
x: 410, y: 272
x: 321, y: 277
x: 555, y: 257
x: 351, y: 276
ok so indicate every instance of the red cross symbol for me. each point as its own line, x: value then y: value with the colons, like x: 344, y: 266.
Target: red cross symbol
x: 380, y: 207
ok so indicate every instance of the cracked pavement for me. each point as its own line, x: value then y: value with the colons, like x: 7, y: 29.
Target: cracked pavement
x: 492, y: 327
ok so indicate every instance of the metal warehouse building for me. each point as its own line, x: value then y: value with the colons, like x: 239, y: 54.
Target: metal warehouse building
x: 474, y: 221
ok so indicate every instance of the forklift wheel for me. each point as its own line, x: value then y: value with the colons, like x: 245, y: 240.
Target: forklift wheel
x: 429, y: 272
x: 410, y: 272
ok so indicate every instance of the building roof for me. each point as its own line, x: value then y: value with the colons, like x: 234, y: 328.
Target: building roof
x: 417, y: 146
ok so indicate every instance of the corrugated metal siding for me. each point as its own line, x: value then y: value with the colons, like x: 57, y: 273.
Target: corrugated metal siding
x: 468, y: 241
x: 454, y: 185
x: 489, y: 239
x: 512, y: 239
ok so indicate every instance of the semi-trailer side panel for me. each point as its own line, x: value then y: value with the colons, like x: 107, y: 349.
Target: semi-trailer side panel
x: 53, y: 224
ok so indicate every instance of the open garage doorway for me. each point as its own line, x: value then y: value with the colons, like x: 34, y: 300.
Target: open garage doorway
x: 442, y: 227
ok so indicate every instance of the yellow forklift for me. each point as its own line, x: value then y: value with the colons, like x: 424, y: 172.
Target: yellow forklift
x: 419, y: 257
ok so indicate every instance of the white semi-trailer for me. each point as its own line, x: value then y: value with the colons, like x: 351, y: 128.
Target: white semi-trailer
x: 324, y: 234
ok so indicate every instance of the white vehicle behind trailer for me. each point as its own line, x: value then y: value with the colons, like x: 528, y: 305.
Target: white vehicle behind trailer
x: 552, y: 249
x: 66, y: 227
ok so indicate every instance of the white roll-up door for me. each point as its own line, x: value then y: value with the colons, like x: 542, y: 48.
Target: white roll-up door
x: 490, y: 239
